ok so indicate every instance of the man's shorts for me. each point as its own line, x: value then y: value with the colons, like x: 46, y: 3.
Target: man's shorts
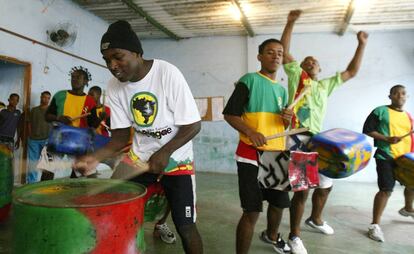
x: 385, y: 172
x: 252, y: 196
x: 179, y: 191
x: 324, y: 182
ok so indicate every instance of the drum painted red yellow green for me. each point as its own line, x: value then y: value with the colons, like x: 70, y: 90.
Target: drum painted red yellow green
x: 404, y: 172
x: 6, y: 180
x: 342, y: 152
x: 74, y: 216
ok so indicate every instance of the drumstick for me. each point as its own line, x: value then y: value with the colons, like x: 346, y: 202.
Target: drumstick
x: 79, y: 117
x: 287, y: 133
x: 408, y: 134
x: 302, y: 94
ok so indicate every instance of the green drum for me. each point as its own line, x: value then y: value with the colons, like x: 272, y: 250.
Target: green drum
x: 6, y: 180
x: 75, y: 216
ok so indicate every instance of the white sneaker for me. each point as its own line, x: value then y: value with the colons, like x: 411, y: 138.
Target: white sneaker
x: 375, y: 233
x: 163, y: 231
x: 406, y: 213
x: 296, y: 246
x: 324, y: 228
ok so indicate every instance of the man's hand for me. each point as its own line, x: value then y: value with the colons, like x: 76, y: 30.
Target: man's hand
x: 294, y: 15
x: 393, y: 140
x: 158, y: 161
x: 65, y: 120
x: 86, y: 165
x: 362, y: 37
x: 257, y: 138
x: 287, y: 114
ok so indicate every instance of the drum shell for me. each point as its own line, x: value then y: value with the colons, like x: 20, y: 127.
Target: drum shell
x: 114, y: 227
x: 341, y: 152
x: 404, y: 172
x: 6, y: 180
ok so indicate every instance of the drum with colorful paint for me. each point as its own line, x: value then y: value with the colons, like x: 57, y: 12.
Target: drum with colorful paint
x: 70, y: 140
x: 6, y: 180
x: 404, y: 172
x: 292, y: 170
x: 155, y: 202
x: 341, y: 152
x: 71, y: 216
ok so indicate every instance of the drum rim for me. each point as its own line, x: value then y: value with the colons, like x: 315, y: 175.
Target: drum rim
x: 17, y: 200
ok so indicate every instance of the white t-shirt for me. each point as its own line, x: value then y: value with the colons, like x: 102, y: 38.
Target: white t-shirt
x: 155, y: 107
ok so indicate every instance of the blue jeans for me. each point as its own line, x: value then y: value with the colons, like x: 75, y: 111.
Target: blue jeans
x: 34, y: 148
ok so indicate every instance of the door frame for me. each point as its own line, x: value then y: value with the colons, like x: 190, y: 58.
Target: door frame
x: 27, y: 88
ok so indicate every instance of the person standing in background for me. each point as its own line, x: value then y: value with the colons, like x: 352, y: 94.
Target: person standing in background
x: 38, y: 133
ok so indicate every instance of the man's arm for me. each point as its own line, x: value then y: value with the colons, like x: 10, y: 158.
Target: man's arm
x: 159, y: 160
x: 355, y: 63
x: 378, y: 136
x: 51, y: 114
x: 257, y: 138
x: 287, y: 34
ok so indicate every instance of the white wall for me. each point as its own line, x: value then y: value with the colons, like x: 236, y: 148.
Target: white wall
x: 11, y: 81
x: 211, y: 65
x: 32, y: 18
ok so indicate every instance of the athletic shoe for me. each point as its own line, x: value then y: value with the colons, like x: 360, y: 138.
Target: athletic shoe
x: 279, y: 246
x: 324, y: 228
x: 296, y: 246
x: 406, y: 213
x: 163, y: 231
x: 375, y: 233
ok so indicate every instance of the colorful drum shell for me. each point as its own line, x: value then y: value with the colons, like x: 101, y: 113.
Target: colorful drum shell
x: 66, y: 139
x: 341, y: 152
x: 72, y: 216
x: 6, y: 181
x: 404, y: 172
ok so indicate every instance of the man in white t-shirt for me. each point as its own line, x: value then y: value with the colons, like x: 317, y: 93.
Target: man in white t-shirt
x: 153, y: 97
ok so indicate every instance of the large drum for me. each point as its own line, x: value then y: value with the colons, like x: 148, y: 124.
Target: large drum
x: 70, y: 140
x: 341, y: 152
x: 404, y: 172
x: 292, y: 170
x: 6, y: 180
x: 78, y: 216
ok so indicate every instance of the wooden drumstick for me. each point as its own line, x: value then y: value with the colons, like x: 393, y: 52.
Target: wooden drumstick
x: 302, y: 94
x: 408, y: 134
x: 79, y: 117
x: 287, y: 133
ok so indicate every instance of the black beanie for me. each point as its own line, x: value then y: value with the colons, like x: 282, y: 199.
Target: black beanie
x: 121, y: 36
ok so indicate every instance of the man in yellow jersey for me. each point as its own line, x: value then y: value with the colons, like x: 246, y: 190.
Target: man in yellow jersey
x: 386, y: 124
x: 67, y: 106
x: 256, y: 110
x: 310, y: 112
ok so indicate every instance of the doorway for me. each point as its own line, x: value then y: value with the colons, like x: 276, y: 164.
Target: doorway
x: 15, y: 77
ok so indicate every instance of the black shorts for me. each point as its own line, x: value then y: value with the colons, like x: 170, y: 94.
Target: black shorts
x: 252, y: 196
x: 179, y: 191
x: 385, y: 172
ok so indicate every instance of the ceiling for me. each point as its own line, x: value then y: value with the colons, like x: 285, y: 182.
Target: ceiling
x: 179, y: 19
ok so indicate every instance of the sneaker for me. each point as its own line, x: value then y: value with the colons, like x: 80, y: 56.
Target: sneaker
x: 279, y: 246
x: 324, y: 228
x: 406, y: 213
x: 375, y: 233
x: 296, y: 246
x: 163, y: 231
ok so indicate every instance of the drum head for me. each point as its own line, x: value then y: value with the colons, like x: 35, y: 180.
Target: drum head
x: 78, y: 193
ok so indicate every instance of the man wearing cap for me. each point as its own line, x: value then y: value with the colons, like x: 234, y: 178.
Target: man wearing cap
x: 153, y: 97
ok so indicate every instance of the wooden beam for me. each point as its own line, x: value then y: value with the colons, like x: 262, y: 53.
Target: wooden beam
x: 150, y: 19
x: 348, y: 16
x: 244, y: 19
